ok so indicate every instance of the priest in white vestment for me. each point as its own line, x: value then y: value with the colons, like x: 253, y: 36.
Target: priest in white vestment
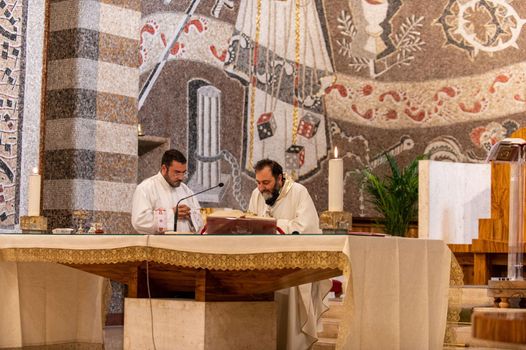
x: 280, y: 197
x: 163, y: 191
x: 289, y: 202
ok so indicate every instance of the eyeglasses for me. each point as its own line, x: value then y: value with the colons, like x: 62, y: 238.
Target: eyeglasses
x: 180, y: 173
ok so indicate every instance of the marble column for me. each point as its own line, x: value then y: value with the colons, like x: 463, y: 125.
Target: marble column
x: 91, y: 112
x: 208, y: 142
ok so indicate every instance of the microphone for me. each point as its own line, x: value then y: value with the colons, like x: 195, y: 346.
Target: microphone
x: 195, y: 194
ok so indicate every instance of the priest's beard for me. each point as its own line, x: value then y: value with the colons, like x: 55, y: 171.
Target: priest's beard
x: 271, y: 197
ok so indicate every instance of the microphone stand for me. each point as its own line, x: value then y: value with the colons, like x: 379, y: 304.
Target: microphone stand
x: 194, y: 194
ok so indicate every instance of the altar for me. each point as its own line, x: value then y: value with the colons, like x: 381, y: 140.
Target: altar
x: 396, y: 287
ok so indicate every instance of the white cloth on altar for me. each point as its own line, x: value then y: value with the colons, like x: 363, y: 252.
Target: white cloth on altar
x: 155, y: 193
x: 46, y: 303
x: 294, y: 208
x: 397, y: 288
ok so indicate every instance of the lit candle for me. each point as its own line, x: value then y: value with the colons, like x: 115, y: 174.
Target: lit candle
x: 33, y: 208
x: 336, y: 183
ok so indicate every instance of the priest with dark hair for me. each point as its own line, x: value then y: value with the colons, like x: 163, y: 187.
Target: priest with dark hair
x: 280, y: 197
x: 160, y: 193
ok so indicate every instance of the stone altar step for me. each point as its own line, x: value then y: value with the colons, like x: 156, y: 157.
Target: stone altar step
x: 336, y: 310
x: 330, y: 327
x: 325, y: 344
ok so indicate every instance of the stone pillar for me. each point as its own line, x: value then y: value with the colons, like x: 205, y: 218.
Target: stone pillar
x: 208, y: 144
x: 91, y: 112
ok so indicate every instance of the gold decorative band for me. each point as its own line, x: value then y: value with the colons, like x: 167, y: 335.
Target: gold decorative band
x: 259, y: 261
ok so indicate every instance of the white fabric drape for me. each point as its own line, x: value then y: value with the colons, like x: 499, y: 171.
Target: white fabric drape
x: 397, y: 295
x: 46, y: 303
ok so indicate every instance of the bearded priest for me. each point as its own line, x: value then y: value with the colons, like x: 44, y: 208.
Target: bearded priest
x: 300, y: 307
x: 278, y: 196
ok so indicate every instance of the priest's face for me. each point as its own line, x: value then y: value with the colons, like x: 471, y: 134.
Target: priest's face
x: 268, y: 185
x: 174, y: 174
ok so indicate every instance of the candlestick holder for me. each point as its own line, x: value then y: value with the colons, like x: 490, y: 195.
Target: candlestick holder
x: 335, y: 222
x: 33, y: 224
x: 79, y: 220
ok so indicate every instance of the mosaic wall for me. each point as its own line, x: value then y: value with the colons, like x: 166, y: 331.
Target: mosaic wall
x: 292, y: 79
x: 12, y: 32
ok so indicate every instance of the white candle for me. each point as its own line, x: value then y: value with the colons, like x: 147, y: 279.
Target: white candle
x: 336, y: 183
x: 33, y: 208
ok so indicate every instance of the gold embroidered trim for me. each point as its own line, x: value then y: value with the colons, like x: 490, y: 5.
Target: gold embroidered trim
x: 454, y: 305
x: 64, y: 346
x: 259, y: 261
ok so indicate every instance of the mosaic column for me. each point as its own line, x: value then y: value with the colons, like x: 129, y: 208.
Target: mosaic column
x: 91, y: 112
x: 208, y: 116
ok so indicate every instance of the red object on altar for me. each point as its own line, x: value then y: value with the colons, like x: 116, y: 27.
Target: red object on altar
x: 240, y: 226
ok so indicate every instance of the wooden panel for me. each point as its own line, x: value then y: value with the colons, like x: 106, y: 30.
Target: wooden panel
x: 460, y: 248
x: 494, y: 232
x: 481, y: 269
x: 500, y: 198
x: 508, y: 326
x: 500, y: 204
x: 254, y: 284
x: 211, y: 285
x: 520, y: 133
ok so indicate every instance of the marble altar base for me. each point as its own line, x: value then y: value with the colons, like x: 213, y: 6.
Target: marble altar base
x: 188, y: 324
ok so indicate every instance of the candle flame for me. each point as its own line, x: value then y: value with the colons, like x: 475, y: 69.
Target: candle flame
x: 335, y: 152
x: 35, y: 170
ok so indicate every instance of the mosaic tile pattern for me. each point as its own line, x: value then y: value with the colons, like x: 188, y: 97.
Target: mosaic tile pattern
x: 72, y: 73
x: 12, y: 41
x: 88, y: 195
x: 73, y: 43
x: 119, y: 21
x: 70, y: 164
x: 134, y: 5
x: 71, y: 103
x: 73, y: 14
x: 116, y: 108
x: 123, y: 167
x: 90, y: 104
x: 425, y: 85
x: 81, y: 164
x: 118, y: 50
x: 116, y: 305
x: 91, y: 133
x: 150, y: 163
x: 114, y: 222
x: 117, y: 79
x: 34, y: 13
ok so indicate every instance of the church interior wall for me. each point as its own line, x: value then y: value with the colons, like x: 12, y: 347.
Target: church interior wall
x: 444, y: 77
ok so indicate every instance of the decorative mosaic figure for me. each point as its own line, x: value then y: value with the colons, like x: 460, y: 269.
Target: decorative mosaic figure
x: 266, y: 125
x: 294, y: 157
x: 208, y: 116
x: 278, y: 49
x: 308, y: 126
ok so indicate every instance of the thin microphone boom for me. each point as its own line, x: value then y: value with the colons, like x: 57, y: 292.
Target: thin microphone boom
x: 195, y: 194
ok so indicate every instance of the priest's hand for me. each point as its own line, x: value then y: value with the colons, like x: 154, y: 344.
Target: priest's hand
x: 184, y: 212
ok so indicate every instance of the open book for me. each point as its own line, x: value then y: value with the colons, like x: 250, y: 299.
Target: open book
x: 236, y: 222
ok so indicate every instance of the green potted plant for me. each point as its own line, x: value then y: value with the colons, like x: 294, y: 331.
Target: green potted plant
x: 395, y: 197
